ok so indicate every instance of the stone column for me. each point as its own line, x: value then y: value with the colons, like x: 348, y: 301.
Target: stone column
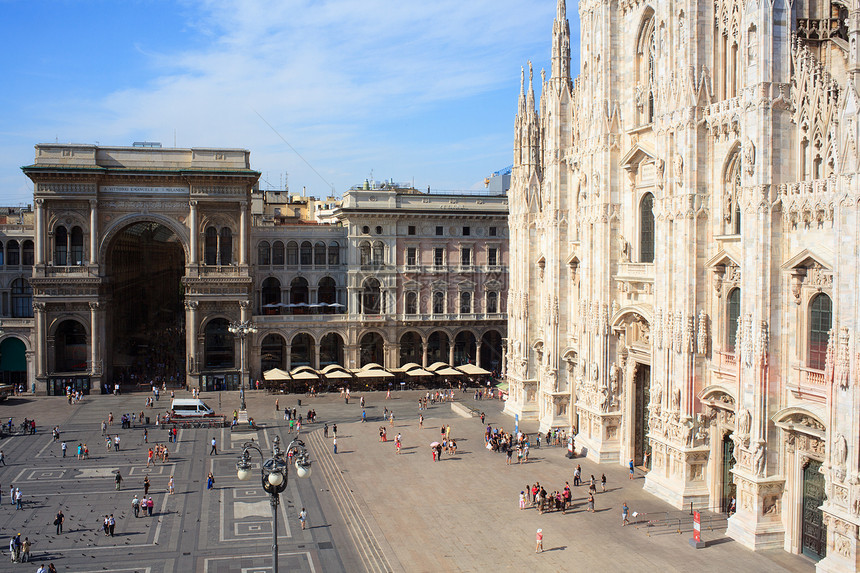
x: 95, y: 367
x: 41, y: 336
x: 243, y: 234
x: 288, y: 349
x: 423, y: 355
x: 244, y: 310
x: 40, y: 234
x: 191, y: 340
x: 317, y: 355
x: 94, y: 232
x: 451, y: 353
x: 192, y: 232
x: 478, y: 353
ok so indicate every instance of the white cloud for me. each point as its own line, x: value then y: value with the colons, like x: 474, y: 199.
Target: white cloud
x: 324, y: 74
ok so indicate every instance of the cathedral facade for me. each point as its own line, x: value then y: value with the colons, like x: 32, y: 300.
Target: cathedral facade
x: 684, y: 231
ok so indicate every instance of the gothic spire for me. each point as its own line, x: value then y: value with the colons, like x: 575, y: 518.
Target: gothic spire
x: 530, y: 104
x: 561, y: 44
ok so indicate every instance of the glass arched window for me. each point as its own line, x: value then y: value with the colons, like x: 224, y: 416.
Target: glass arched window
x: 465, y: 302
x: 77, y: 246
x: 292, y: 254
x: 411, y: 303
x: 333, y: 253
x: 646, y: 229
x: 438, y: 302
x: 13, y: 254
x: 2, y: 253
x: 820, y: 323
x: 210, y: 248
x: 646, y: 53
x: 70, y: 347
x: 327, y: 293
x: 26, y: 254
x: 270, y: 296
x: 306, y: 254
x: 733, y: 312
x: 226, y: 246
x: 22, y: 299
x: 319, y: 254
x: 218, y: 345
x: 299, y: 293
x: 492, y: 302
x: 371, y: 297
x: 278, y: 254
x: 264, y: 253
x: 61, y: 246
x: 378, y: 253
x: 732, y: 206
x: 364, y: 253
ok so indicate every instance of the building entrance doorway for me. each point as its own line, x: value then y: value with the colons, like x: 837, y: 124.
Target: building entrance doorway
x: 729, y: 489
x: 642, y: 392
x: 813, y: 533
x: 145, y: 322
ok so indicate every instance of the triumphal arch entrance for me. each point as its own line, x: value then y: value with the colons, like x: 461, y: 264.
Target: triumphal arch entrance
x: 141, y: 262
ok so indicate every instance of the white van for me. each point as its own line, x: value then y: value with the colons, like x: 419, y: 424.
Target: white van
x: 190, y: 407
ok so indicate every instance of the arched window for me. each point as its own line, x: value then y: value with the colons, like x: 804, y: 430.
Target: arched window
x: 732, y: 206
x: 61, y: 246
x: 218, y: 345
x: 22, y: 299
x: 226, y: 246
x: 70, y: 347
x: 646, y: 229
x: 364, y: 253
x: 733, y: 312
x: 270, y: 296
x: 319, y: 254
x: 292, y: 254
x: 327, y: 293
x: 465, y: 302
x: 492, y: 302
x: 13, y: 254
x: 438, y: 302
x: 306, y: 254
x: 26, y: 254
x: 210, y: 248
x: 820, y: 323
x: 333, y: 254
x: 371, y: 297
x: 411, y: 303
x: 2, y: 253
x: 299, y: 295
x: 264, y: 253
x: 77, y: 246
x: 646, y: 53
x: 278, y: 254
x: 378, y: 253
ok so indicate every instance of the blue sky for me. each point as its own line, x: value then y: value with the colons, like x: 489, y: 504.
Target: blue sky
x: 409, y: 90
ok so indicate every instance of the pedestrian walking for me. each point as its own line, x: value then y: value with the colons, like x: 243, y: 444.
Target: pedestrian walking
x: 277, y: 407
x: 106, y: 525
x: 2, y: 458
x: 334, y: 443
x: 334, y: 429
x: 19, y: 499
x: 630, y: 465
x: 421, y: 421
x: 603, y: 482
x: 624, y: 511
x: 135, y: 505
x: 522, y: 499
x: 111, y: 525
x: 210, y: 481
x: 539, y: 545
x: 214, y: 449
x: 116, y: 442
x: 150, y: 505
x: 303, y: 517
x: 325, y: 430
x: 118, y: 480
x: 12, y: 494
x: 25, y: 550
x: 58, y: 521
x: 63, y: 447
x: 146, y: 486
x: 170, y: 486
x: 591, y: 503
x: 363, y: 416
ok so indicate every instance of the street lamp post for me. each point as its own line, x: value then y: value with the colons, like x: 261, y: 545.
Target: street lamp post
x: 274, y: 476
x: 242, y: 330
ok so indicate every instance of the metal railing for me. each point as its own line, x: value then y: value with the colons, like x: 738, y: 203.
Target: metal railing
x: 679, y: 522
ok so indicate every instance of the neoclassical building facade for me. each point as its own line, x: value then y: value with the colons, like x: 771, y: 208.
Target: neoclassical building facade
x: 134, y: 261
x: 684, y: 237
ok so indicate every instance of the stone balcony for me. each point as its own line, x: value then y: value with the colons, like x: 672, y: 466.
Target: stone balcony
x: 808, y: 383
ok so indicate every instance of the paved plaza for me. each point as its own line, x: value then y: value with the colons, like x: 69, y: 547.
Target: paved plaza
x: 369, y: 508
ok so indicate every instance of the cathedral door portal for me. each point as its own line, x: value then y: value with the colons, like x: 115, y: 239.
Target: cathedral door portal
x: 146, y: 334
x: 813, y: 531
x: 729, y: 488
x: 642, y: 447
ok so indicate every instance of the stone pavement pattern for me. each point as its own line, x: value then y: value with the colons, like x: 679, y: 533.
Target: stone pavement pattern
x: 369, y: 509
